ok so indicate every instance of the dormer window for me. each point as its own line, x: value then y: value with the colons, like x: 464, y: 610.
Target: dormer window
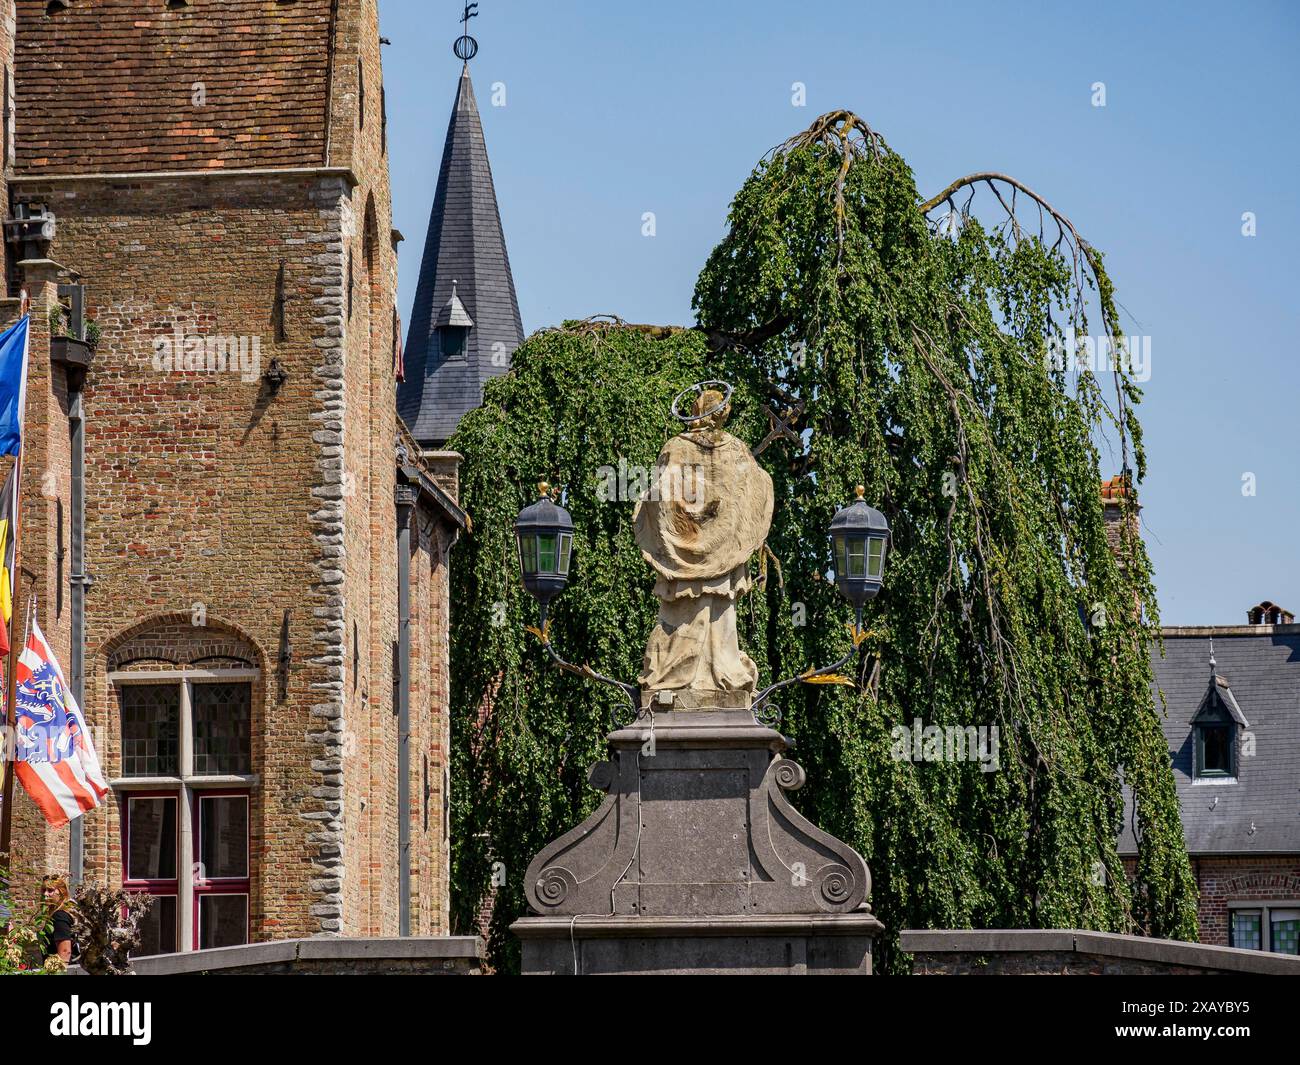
x: 453, y: 326
x: 1215, y: 729
x: 1214, y: 747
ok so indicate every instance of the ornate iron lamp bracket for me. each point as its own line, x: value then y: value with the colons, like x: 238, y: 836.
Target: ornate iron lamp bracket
x: 771, y: 715
x: 630, y: 692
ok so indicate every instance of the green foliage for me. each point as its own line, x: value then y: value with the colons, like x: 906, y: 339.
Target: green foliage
x: 21, y: 928
x: 920, y: 359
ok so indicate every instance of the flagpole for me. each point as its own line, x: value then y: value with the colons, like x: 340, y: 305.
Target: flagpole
x: 11, y: 678
x: 11, y: 673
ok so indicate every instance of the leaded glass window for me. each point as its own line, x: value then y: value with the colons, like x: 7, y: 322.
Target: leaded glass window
x: 151, y: 730
x: 222, y: 729
x: 1244, y: 930
x: 1284, y: 931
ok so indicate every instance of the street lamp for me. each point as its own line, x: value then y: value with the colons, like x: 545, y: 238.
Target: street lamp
x: 859, y: 535
x: 544, y: 534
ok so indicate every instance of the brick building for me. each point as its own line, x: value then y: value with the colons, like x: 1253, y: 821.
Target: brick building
x: 1232, y: 697
x: 220, y: 503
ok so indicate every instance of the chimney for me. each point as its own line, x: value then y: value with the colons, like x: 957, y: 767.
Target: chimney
x: 1114, y: 494
x: 1267, y: 613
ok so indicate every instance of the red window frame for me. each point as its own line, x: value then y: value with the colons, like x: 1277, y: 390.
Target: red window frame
x: 222, y: 885
x: 152, y: 886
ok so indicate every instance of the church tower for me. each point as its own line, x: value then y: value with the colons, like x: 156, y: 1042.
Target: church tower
x: 465, y: 323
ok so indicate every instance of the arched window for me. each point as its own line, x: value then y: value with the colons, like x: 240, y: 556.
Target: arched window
x: 184, y: 769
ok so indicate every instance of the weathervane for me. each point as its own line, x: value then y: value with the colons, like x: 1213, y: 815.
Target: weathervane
x: 466, y: 48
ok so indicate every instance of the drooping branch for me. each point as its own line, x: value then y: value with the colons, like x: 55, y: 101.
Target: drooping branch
x: 990, y: 177
x: 1081, y: 253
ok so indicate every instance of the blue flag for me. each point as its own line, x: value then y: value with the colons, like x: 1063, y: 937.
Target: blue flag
x: 13, y: 386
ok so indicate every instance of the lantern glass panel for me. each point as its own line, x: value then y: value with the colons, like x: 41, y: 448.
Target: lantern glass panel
x: 546, y: 553
x: 875, y: 558
x: 528, y: 554
x: 566, y: 548
x: 857, y: 561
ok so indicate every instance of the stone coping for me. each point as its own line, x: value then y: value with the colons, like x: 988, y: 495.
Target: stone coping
x: 594, y: 927
x: 703, y: 727
x: 1105, y: 944
x: 1292, y: 629
x: 336, y: 948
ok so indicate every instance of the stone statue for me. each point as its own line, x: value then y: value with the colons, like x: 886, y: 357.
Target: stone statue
x: 707, y: 511
x: 696, y: 862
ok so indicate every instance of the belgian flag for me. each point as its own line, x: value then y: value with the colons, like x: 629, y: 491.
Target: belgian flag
x: 8, y: 508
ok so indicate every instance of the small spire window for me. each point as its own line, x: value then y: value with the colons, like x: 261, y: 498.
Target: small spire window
x: 453, y: 326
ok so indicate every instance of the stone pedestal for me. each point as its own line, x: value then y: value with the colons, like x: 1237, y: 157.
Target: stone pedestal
x: 697, y: 863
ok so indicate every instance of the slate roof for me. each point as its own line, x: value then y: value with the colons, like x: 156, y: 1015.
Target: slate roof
x: 464, y: 246
x: 108, y: 85
x: 1261, y: 665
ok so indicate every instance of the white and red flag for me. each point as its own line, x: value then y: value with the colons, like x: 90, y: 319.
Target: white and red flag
x: 54, y: 755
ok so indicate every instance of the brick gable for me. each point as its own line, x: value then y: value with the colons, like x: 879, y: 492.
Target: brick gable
x: 108, y: 86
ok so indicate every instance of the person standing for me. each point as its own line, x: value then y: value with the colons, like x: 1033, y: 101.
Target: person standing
x: 57, y: 907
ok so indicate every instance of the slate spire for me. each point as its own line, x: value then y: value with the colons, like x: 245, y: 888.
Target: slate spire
x: 465, y: 252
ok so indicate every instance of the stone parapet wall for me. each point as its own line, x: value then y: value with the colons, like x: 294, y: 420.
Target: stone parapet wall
x: 1069, y: 952
x: 412, y: 956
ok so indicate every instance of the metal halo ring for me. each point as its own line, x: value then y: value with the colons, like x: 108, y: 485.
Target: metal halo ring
x: 699, y: 389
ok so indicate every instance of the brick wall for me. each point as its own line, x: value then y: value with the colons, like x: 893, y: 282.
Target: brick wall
x: 203, y: 490
x: 1264, y: 878
x: 411, y: 956
x: 1222, y: 880
x: 122, y: 85
x: 430, y: 723
x: 8, y: 21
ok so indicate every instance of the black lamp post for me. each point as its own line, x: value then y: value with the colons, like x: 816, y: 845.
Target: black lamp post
x: 544, y: 533
x: 860, y: 536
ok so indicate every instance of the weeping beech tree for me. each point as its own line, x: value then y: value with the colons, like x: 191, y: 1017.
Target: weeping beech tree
x: 880, y: 338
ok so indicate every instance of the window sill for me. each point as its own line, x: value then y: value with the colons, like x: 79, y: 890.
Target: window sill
x: 1214, y: 780
x: 154, y: 783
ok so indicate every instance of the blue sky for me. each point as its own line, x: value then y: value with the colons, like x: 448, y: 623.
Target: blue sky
x: 615, y: 109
